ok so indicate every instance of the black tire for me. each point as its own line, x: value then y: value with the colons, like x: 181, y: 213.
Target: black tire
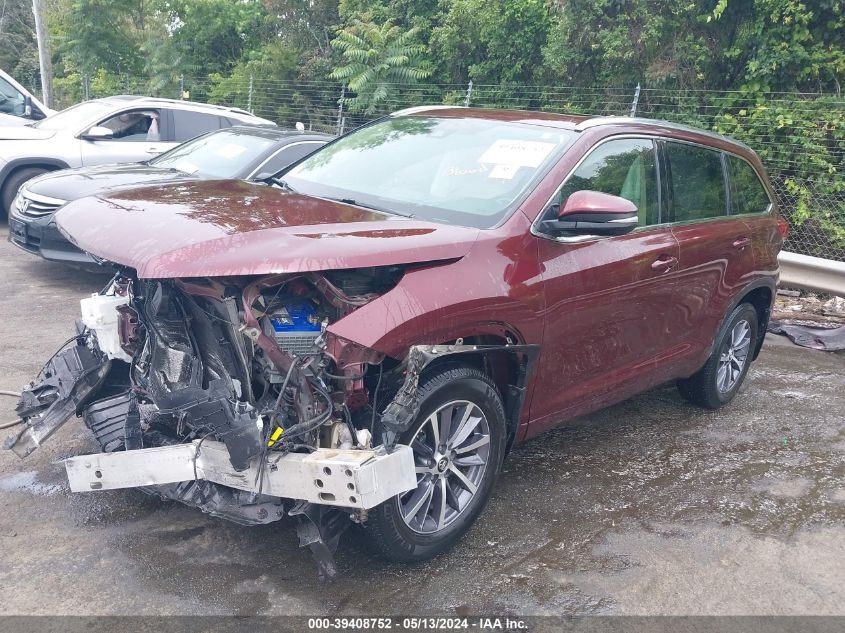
x: 710, y: 388
x: 14, y: 182
x: 386, y: 531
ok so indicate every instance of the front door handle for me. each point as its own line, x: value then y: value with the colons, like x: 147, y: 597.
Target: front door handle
x: 741, y: 242
x: 664, y: 263
x: 153, y: 150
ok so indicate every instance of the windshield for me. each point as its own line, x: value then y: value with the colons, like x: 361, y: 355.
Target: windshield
x: 222, y: 154
x: 74, y: 117
x: 465, y: 171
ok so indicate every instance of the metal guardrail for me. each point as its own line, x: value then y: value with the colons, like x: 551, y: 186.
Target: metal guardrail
x: 812, y: 273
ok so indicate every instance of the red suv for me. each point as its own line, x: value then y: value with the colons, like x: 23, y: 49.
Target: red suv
x: 367, y: 337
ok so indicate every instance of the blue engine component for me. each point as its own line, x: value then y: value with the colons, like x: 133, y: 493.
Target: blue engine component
x: 295, y: 316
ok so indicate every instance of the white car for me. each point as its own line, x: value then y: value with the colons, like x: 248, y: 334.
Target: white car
x: 18, y: 106
x: 121, y: 129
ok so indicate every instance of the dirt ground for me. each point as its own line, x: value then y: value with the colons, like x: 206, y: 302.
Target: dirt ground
x: 649, y: 507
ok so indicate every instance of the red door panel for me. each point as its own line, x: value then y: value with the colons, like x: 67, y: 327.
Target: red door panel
x: 610, y: 319
x: 716, y: 264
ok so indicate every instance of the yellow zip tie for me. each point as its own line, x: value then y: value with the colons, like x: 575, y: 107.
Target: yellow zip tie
x: 275, y: 436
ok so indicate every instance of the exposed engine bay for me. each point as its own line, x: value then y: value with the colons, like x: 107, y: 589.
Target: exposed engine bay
x: 243, y: 399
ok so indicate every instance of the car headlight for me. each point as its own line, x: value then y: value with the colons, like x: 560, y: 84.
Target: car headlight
x: 17, y: 203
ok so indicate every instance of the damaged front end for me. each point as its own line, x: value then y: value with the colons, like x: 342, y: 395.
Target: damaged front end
x: 228, y: 395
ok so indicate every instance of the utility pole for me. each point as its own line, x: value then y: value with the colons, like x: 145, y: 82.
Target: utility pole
x: 44, y: 60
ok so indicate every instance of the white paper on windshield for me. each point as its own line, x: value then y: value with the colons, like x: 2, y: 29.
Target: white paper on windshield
x: 230, y: 151
x: 504, y: 172
x: 518, y: 153
x: 185, y: 166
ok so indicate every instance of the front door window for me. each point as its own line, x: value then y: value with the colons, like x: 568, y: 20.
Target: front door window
x: 623, y: 167
x: 139, y: 126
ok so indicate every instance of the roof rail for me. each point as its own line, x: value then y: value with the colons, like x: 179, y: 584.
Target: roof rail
x: 627, y: 120
x: 210, y: 106
x: 425, y: 108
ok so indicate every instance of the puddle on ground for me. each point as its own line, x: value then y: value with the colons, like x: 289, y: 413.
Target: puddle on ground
x: 789, y: 488
x: 28, y: 481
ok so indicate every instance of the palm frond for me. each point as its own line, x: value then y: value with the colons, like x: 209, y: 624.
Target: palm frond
x: 377, y: 56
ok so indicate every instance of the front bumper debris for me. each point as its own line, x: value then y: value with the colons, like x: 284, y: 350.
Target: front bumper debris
x: 69, y: 378
x: 360, y: 479
x: 192, y: 400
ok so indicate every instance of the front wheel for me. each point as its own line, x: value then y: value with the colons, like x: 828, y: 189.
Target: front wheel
x: 716, y: 384
x: 13, y: 183
x: 458, y: 440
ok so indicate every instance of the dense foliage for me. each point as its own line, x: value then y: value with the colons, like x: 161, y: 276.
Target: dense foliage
x: 716, y: 63
x: 758, y: 46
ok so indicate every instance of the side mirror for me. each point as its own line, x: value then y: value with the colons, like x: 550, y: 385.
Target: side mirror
x: 594, y: 213
x: 98, y: 133
x: 27, y: 106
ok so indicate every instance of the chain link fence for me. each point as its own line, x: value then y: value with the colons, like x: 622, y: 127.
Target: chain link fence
x: 800, y: 137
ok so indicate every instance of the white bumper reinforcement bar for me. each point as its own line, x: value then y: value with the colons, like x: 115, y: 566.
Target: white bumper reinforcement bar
x: 348, y: 478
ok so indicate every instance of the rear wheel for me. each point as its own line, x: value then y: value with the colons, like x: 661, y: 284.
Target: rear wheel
x: 716, y: 384
x: 14, y: 182
x: 458, y: 442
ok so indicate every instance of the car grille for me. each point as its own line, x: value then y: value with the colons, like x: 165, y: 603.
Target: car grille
x: 34, y: 206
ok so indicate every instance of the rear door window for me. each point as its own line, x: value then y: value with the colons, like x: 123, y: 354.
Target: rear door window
x: 697, y: 182
x: 626, y: 168
x: 748, y: 195
x: 188, y: 125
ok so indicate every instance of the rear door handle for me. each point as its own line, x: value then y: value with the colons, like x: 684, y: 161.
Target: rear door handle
x: 664, y: 263
x: 741, y: 242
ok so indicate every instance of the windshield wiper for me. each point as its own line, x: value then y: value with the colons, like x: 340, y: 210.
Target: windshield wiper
x: 279, y: 183
x: 356, y: 203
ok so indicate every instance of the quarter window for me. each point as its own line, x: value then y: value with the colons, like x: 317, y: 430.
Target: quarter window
x: 624, y: 168
x: 747, y: 192
x: 697, y: 181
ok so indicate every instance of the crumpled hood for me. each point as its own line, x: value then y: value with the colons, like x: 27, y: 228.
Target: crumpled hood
x: 71, y: 184
x: 23, y: 133
x: 230, y: 227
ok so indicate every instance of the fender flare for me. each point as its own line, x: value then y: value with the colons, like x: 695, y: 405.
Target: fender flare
x: 36, y: 161
x: 400, y: 413
x: 763, y: 282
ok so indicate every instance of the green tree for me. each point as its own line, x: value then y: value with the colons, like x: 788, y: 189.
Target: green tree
x: 616, y: 44
x: 492, y: 41
x: 18, y: 51
x: 378, y: 59
x: 211, y: 36
x: 308, y: 26
x: 100, y: 34
x: 795, y: 45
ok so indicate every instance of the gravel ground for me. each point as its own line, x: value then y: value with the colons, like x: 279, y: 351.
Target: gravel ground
x: 648, y: 507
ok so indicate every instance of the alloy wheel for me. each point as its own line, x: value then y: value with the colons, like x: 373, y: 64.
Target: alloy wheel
x: 733, y: 356
x: 451, y: 450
